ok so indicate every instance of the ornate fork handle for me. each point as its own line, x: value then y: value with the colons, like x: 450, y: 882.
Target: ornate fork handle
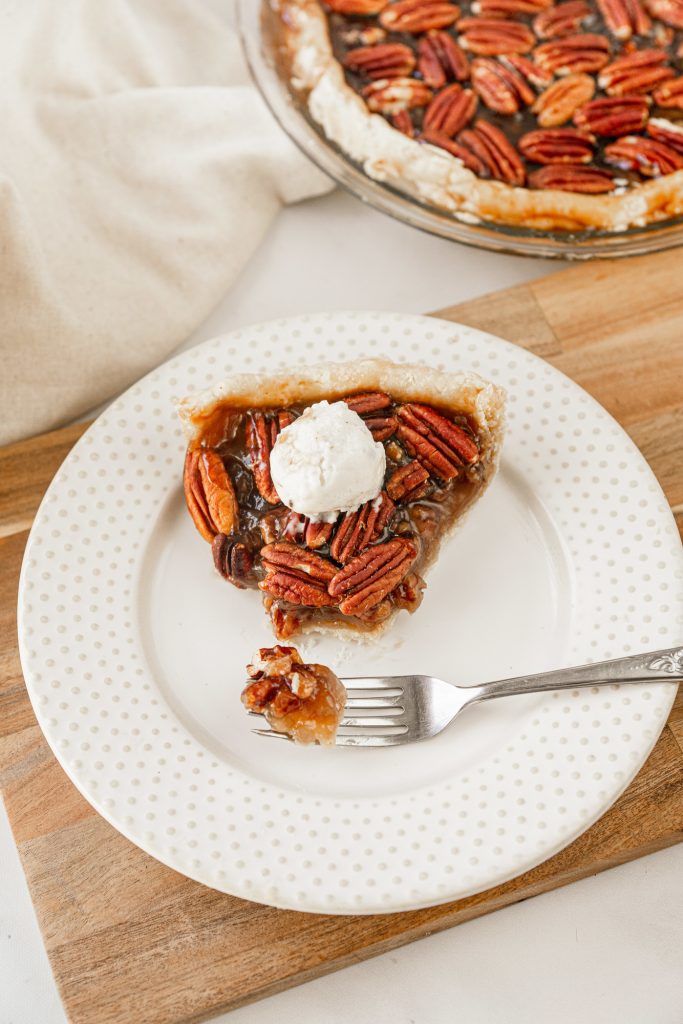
x: 663, y: 666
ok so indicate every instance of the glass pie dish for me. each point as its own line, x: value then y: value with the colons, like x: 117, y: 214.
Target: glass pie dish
x: 262, y: 41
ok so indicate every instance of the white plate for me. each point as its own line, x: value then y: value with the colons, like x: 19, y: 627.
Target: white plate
x: 134, y: 649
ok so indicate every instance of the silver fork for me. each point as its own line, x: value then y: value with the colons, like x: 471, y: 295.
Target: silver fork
x: 383, y: 711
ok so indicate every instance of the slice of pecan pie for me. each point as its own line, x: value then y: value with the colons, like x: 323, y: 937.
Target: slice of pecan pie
x: 377, y: 463
x: 544, y: 114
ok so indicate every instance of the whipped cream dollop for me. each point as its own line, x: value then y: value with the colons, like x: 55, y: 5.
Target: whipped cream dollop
x: 327, y: 462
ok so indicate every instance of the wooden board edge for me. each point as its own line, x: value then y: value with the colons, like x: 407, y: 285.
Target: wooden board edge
x: 420, y: 932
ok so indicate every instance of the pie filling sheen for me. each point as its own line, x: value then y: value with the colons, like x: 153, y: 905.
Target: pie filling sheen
x: 353, y: 572
x: 578, y: 104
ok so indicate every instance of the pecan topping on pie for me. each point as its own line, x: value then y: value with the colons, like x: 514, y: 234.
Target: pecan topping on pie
x: 480, y: 81
x: 437, y: 436
x: 441, y: 60
x: 557, y: 103
x: 557, y: 146
x: 572, y: 179
x: 372, y: 576
x: 385, y: 60
x: 209, y: 493
x: 613, y: 116
x: 305, y: 702
x: 418, y: 15
x: 450, y: 111
x: 501, y: 88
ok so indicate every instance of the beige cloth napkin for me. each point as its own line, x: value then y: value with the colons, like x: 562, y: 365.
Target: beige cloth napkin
x: 139, y: 170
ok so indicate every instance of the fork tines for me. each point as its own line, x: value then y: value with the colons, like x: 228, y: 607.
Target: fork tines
x: 375, y: 718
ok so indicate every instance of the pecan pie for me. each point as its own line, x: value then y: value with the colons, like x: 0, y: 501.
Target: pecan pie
x: 437, y: 436
x: 547, y: 115
x: 305, y: 702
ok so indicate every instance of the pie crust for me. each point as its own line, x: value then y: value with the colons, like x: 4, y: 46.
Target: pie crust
x: 415, y: 523
x: 433, y: 175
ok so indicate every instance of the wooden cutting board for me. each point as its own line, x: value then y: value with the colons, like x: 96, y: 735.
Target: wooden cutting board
x: 131, y: 940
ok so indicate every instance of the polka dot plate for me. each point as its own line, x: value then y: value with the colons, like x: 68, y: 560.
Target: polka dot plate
x: 134, y: 649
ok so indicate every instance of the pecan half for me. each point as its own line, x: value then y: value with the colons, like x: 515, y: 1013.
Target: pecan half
x: 300, y: 530
x: 387, y: 60
x: 317, y: 535
x: 500, y: 88
x: 408, y: 482
x: 219, y: 492
x: 261, y: 434
x: 296, y: 560
x: 371, y: 407
x: 584, y: 52
x: 608, y: 116
x: 392, y: 95
x: 195, y: 499
x: 356, y: 6
x: 450, y: 110
x: 534, y: 74
x: 351, y: 536
x: 369, y: 578
x: 556, y: 105
x: 296, y: 575
x: 667, y: 132
x: 285, y: 524
x: 646, y: 155
x: 565, y: 178
x: 209, y: 494
x: 563, y: 20
x: 637, y: 72
x: 360, y: 528
x: 418, y: 15
x: 436, y: 442
x: 468, y: 158
x: 489, y: 37
x: 381, y: 427
x: 625, y: 18
x: 668, y: 11
x: 670, y: 96
x: 368, y: 402
x: 441, y: 60
x: 509, y: 8
x: 557, y: 146
x: 493, y: 149
x: 233, y: 560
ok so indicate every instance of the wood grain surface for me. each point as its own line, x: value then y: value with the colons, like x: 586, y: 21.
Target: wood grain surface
x: 131, y: 940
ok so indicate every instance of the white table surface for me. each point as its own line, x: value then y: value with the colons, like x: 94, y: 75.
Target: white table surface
x: 607, y: 949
